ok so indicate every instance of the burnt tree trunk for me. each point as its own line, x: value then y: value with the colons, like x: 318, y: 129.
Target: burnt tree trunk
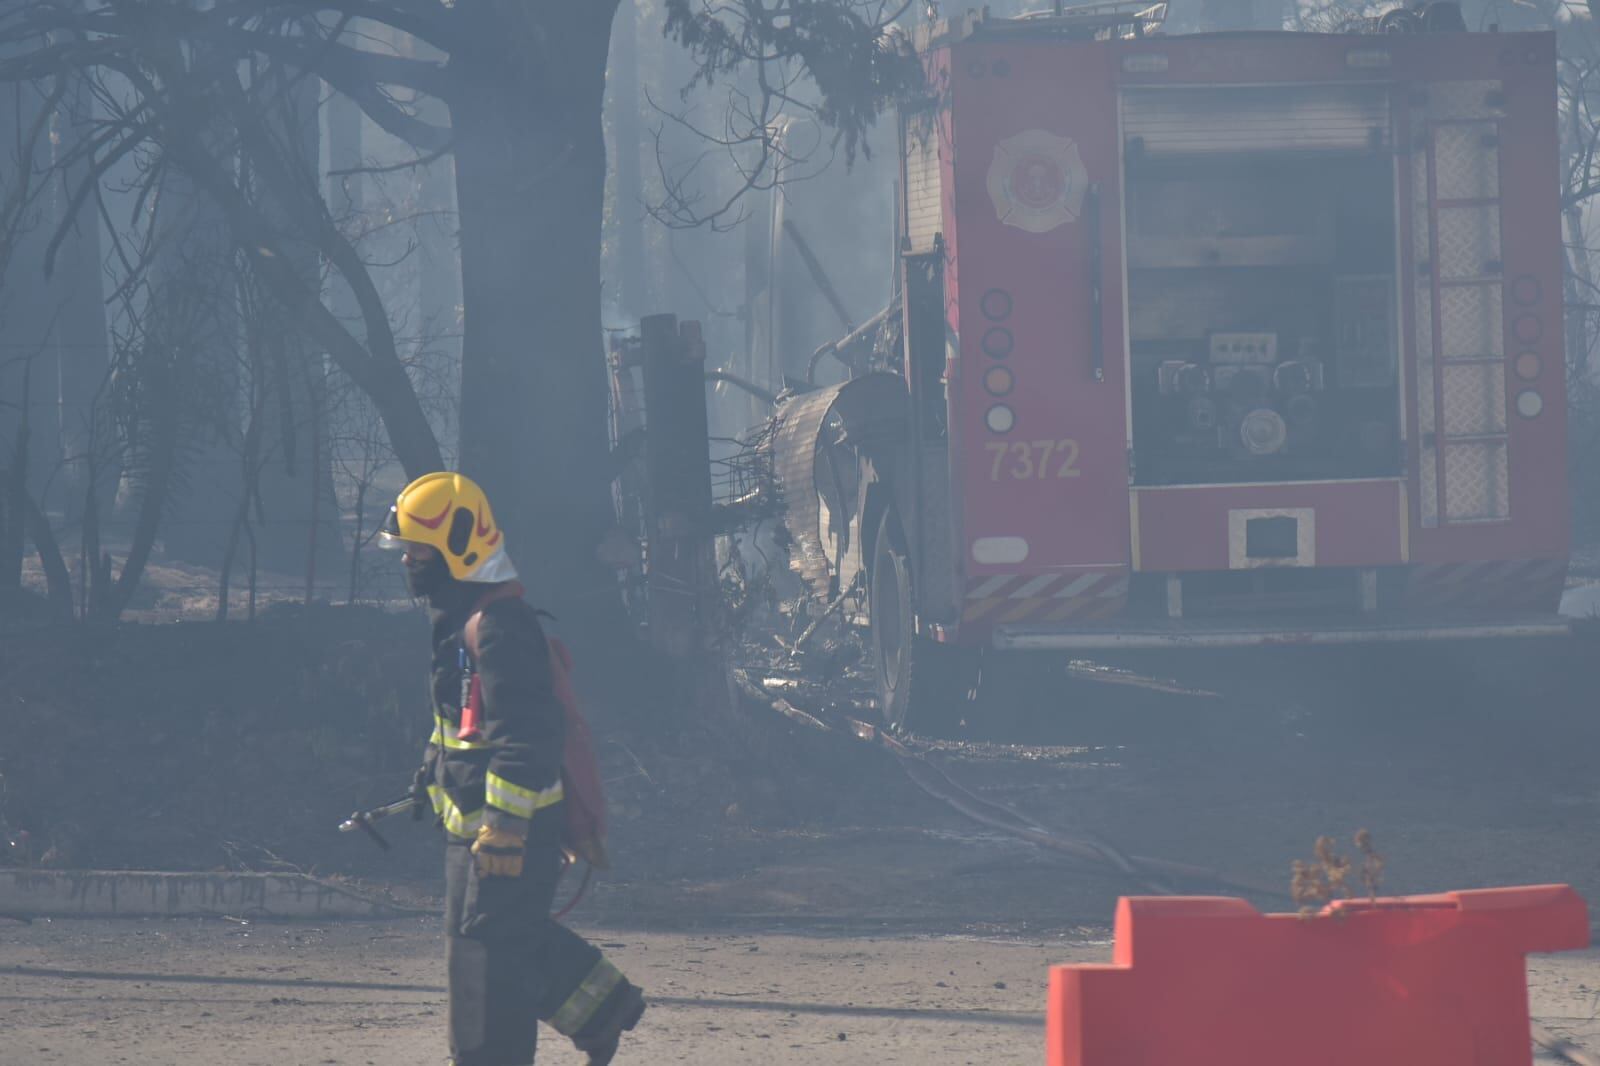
x: 190, y: 266
x: 84, y: 358
x: 530, y: 175
x: 298, y: 533
x: 13, y: 502
x: 439, y: 266
x: 627, y: 195
x: 58, y: 580
x: 30, y: 344
x: 163, y: 425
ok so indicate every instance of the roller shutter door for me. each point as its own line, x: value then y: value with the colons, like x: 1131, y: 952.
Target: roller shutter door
x: 1211, y: 121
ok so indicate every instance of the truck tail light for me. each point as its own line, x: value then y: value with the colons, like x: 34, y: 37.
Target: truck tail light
x: 1368, y: 59
x: 1145, y: 63
x: 998, y: 381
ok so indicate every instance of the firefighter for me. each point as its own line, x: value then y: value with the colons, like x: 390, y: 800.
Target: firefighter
x: 498, y: 794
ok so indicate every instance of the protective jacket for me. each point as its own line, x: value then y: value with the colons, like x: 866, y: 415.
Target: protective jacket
x: 512, y: 775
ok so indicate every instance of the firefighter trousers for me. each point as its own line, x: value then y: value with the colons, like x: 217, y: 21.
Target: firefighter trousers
x: 511, y: 966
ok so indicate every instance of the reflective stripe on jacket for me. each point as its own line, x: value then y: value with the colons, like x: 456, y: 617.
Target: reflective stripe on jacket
x: 512, y: 776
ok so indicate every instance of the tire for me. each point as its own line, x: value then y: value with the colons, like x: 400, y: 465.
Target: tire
x: 922, y: 686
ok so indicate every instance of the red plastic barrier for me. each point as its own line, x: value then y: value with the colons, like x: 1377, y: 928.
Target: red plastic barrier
x: 1406, y: 981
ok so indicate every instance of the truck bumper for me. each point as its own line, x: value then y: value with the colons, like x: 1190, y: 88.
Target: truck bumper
x: 1241, y: 633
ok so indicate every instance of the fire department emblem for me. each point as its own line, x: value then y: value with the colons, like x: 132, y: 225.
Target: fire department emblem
x: 1037, y: 181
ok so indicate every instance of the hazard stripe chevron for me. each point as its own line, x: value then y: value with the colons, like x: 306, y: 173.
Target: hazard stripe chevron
x: 1500, y: 583
x: 1076, y: 596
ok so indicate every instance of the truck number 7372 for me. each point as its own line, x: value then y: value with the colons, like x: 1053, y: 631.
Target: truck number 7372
x: 1033, y: 460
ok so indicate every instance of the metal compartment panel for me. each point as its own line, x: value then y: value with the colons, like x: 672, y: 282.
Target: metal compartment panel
x: 1198, y: 527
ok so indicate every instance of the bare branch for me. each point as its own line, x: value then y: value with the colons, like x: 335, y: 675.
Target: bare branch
x: 854, y: 59
x: 320, y: 55
x: 408, y: 164
x: 425, y: 22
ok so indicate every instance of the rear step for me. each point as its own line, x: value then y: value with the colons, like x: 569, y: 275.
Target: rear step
x: 1235, y: 633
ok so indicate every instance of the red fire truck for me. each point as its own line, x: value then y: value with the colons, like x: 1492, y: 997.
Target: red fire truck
x: 1208, y: 340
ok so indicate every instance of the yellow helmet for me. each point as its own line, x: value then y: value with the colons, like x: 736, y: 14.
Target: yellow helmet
x: 450, y: 513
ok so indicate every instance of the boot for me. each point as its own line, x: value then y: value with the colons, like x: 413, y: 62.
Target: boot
x: 601, y: 1044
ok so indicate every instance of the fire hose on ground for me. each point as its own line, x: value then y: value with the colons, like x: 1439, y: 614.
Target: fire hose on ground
x: 1152, y: 874
x: 1561, y: 1047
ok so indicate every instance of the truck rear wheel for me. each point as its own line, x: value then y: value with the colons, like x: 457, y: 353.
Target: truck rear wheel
x: 922, y: 686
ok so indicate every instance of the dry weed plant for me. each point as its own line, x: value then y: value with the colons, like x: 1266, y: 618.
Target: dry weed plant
x: 1371, y: 864
x: 1326, y: 877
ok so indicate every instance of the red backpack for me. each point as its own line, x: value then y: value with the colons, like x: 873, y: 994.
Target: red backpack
x: 584, y: 833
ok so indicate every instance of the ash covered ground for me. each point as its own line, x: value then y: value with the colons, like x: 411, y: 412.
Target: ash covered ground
x: 810, y: 904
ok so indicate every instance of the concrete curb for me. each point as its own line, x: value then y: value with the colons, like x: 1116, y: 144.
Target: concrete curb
x: 136, y: 894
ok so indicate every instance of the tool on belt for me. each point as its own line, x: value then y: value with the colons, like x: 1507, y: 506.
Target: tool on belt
x: 471, y: 728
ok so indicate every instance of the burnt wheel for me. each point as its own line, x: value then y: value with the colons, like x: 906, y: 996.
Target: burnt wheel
x: 922, y: 686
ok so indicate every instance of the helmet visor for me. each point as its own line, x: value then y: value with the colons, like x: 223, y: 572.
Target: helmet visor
x: 389, y: 532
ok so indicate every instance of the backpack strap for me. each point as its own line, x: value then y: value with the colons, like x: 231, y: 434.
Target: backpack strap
x: 469, y: 632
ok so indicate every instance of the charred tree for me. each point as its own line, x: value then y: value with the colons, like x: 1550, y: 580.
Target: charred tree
x: 627, y: 188
x: 298, y: 531
x: 82, y: 348
x: 14, y: 495
x: 530, y: 185
x: 438, y: 272
x: 194, y: 250
x: 31, y: 344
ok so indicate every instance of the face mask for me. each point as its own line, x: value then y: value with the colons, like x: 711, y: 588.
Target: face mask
x: 428, y: 579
